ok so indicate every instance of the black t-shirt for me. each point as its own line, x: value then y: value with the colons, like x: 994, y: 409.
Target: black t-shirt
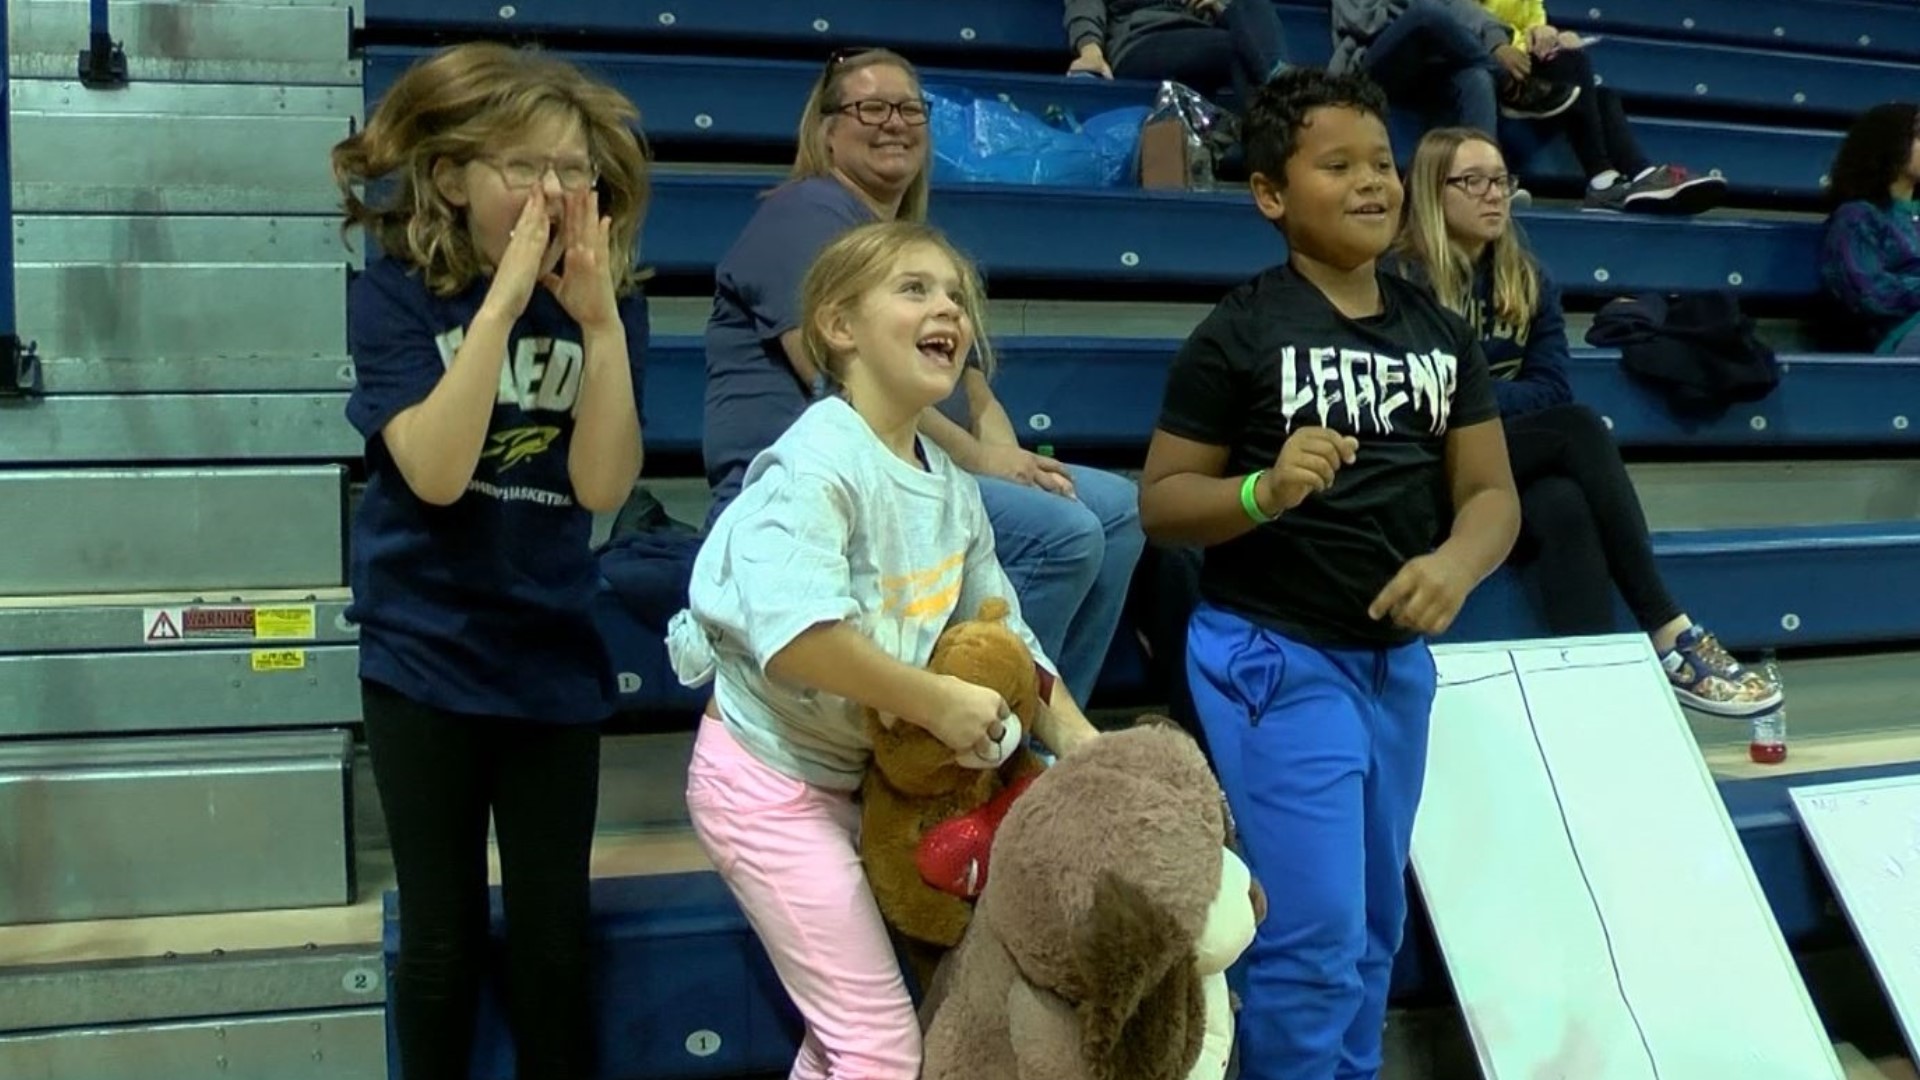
x: 1274, y: 356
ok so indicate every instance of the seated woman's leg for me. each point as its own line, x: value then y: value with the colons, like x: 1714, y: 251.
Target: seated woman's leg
x: 1562, y: 544
x: 1703, y: 674
x: 1069, y: 560
x: 1259, y: 46
x: 1200, y: 57
x: 1592, y: 460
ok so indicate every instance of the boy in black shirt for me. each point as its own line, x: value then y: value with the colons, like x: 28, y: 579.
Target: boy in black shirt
x: 1329, y: 435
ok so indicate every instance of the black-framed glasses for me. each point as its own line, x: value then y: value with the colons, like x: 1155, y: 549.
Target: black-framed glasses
x: 874, y: 112
x: 1476, y: 185
x: 520, y: 174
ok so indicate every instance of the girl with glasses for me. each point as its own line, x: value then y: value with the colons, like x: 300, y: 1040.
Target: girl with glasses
x: 1581, y: 523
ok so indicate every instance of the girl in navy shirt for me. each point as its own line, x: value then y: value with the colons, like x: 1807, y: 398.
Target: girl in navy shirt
x: 497, y: 340
x: 1580, y: 519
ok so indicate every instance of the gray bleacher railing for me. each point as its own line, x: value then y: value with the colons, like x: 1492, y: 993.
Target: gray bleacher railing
x: 103, y: 63
x: 19, y: 369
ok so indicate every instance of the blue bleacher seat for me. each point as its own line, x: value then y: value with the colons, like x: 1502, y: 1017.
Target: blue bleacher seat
x: 989, y: 27
x: 1693, y: 74
x: 1216, y: 239
x: 723, y: 102
x: 719, y: 104
x: 685, y: 991
x: 682, y: 987
x: 1104, y: 394
x: 1889, y: 31
x: 1754, y: 586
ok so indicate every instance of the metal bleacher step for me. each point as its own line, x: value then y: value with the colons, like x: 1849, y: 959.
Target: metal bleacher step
x: 299, y: 41
x: 227, y: 528
x: 176, y: 662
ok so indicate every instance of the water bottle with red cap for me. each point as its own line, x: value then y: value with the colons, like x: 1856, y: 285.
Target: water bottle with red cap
x: 1768, y: 743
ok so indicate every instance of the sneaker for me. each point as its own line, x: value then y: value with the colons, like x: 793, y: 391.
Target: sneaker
x: 1536, y: 99
x: 1667, y: 189
x: 1611, y: 199
x: 1706, y: 677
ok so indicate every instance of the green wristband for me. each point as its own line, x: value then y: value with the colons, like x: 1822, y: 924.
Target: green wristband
x: 1250, y: 500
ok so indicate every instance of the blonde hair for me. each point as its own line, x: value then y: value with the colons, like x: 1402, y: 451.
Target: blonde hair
x: 1424, y: 240
x: 452, y: 106
x: 859, y: 261
x: 811, y: 157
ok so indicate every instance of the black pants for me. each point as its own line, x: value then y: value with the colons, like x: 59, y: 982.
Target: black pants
x: 1581, y: 525
x: 439, y: 774
x: 1596, y: 125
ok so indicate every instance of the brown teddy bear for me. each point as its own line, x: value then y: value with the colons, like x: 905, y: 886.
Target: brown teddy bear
x: 927, y: 817
x: 1099, y: 948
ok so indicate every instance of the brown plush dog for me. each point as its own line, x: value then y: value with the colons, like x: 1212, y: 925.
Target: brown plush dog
x: 1099, y: 947
x: 916, y: 787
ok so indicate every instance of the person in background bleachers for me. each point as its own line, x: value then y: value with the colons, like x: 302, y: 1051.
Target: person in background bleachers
x: 1870, y: 258
x: 1329, y: 436
x: 1447, y: 59
x: 1068, y: 536
x: 497, y: 343
x: 1581, y: 522
x: 1207, y: 45
x: 819, y: 594
x: 1619, y: 176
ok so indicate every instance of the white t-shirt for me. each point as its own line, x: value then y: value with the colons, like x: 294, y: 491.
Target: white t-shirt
x: 832, y: 526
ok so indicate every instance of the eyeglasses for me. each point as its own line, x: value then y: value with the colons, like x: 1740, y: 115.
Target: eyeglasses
x: 520, y: 174
x: 876, y: 113
x: 1476, y: 185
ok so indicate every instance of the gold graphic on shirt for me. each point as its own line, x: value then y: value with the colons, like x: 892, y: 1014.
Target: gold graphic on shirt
x: 933, y: 591
x: 515, y: 445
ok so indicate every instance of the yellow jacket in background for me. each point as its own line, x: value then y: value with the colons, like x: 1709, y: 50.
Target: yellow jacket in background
x: 1521, y: 15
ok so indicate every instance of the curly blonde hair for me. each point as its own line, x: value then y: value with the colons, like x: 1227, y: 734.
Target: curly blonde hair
x: 453, y: 105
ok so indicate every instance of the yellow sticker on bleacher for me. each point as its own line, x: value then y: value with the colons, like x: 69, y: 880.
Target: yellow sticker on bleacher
x: 283, y: 623
x: 279, y: 659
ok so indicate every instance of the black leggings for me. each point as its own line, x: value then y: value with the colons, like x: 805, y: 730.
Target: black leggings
x: 1581, y: 524
x: 1596, y: 125
x: 439, y: 774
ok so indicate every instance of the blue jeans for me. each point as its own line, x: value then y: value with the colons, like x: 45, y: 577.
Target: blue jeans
x: 1427, y: 59
x: 1070, y: 562
x: 1321, y: 753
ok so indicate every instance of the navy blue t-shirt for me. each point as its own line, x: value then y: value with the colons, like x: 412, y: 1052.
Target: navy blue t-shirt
x: 753, y: 395
x: 480, y: 607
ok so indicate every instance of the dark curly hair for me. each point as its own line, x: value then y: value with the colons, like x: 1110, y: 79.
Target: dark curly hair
x: 1271, y: 129
x: 1874, y: 153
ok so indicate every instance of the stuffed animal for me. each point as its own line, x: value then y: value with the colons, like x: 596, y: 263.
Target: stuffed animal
x: 927, y: 817
x: 1099, y: 948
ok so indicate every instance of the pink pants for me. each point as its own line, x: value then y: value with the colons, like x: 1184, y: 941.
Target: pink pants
x: 786, y: 849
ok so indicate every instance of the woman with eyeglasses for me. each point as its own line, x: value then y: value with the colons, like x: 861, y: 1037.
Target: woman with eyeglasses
x: 1067, y: 536
x: 1581, y: 522
x: 1870, y: 258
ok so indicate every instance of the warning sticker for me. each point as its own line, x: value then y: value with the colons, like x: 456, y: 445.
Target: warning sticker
x: 162, y: 625
x: 181, y: 625
x: 279, y: 659
x: 283, y: 623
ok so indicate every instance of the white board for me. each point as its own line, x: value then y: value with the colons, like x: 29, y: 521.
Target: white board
x: 1598, y: 916
x: 1866, y: 834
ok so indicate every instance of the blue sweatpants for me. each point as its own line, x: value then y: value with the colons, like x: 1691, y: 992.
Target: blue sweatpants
x: 1321, y: 753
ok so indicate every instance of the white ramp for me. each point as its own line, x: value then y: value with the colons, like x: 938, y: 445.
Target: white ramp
x: 1598, y: 916
x: 1867, y: 836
